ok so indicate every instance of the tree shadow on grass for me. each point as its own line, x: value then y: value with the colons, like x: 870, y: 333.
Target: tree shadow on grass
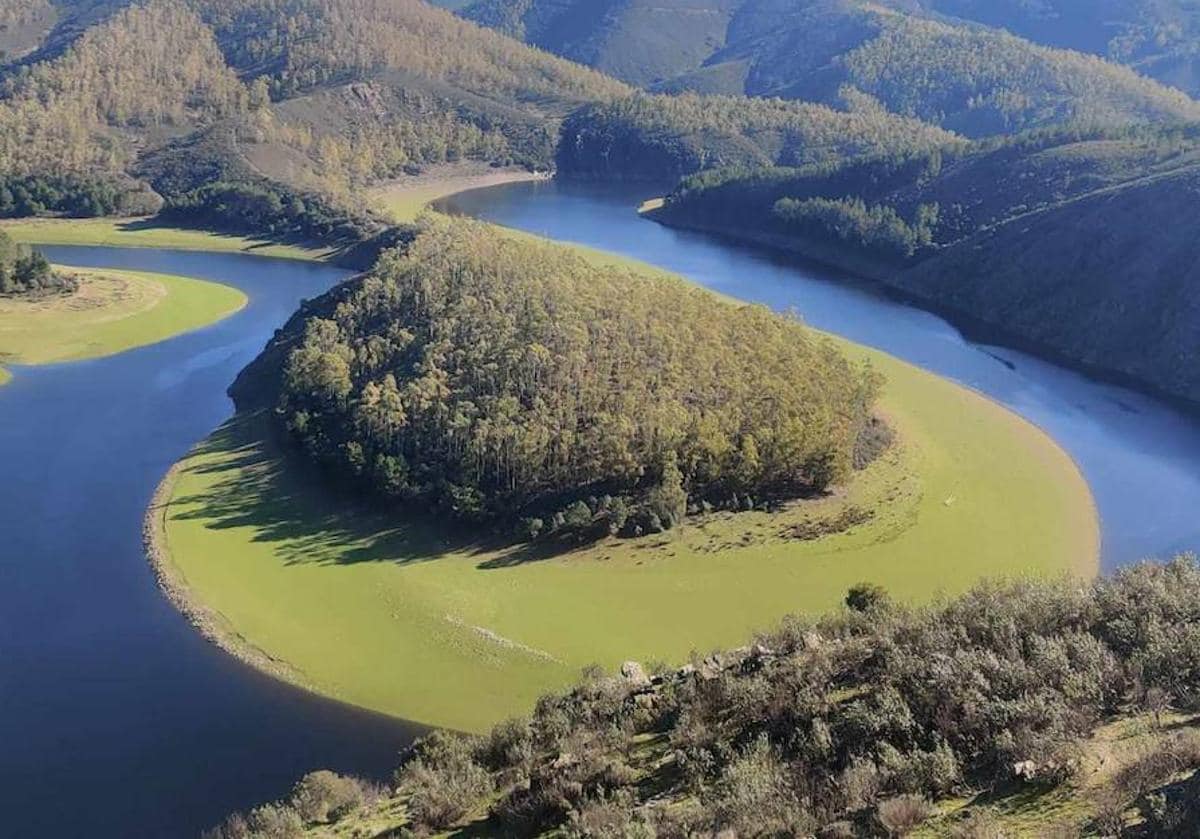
x: 258, y: 240
x: 252, y: 481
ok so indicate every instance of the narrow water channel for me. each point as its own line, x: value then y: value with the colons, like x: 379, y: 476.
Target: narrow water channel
x: 116, y: 718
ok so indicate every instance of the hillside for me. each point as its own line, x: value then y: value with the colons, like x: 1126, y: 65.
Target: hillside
x: 1062, y: 242
x: 658, y: 137
x: 269, y: 116
x: 1017, y: 709
x: 964, y: 77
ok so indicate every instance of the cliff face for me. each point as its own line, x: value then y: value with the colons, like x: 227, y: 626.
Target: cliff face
x: 1110, y: 281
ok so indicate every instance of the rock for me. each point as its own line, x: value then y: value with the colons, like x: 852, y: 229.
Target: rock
x: 710, y: 667
x: 634, y: 673
x: 646, y: 700
x: 1026, y: 770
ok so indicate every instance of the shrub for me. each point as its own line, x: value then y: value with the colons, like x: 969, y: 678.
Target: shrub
x: 866, y: 597
x: 442, y: 780
x: 275, y: 821
x: 901, y: 815
x: 326, y: 796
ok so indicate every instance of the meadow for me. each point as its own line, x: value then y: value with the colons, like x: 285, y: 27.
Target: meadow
x: 112, y: 311
x: 146, y: 233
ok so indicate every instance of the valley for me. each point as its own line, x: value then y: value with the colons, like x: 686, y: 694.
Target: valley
x: 543, y: 417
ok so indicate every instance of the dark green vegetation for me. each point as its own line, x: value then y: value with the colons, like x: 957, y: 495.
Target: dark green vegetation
x: 1068, y: 241
x: 896, y: 55
x: 24, y: 271
x: 652, y: 137
x: 863, y: 723
x: 497, y: 379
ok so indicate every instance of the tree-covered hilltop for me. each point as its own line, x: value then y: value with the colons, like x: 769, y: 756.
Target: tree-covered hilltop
x: 901, y: 55
x: 658, y: 136
x: 1067, y: 242
x: 497, y: 379
x: 24, y: 271
x: 1011, y: 700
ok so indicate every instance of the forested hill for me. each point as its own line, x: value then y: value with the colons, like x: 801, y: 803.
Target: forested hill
x: 266, y: 115
x: 511, y: 383
x: 1070, y: 243
x: 657, y: 136
x: 968, y: 78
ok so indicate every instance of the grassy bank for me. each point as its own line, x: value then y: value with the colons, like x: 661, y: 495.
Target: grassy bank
x: 146, y: 233
x: 112, y: 311
x: 404, y: 199
x: 403, y: 617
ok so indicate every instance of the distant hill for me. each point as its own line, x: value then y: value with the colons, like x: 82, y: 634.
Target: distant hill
x: 965, y: 77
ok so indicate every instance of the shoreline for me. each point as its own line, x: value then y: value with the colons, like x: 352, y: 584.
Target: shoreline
x: 210, y: 623
x: 405, y: 198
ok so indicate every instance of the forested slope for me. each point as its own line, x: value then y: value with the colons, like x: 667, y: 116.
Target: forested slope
x: 658, y: 136
x: 268, y: 115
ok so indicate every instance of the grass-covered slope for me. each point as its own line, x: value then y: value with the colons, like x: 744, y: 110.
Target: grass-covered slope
x: 111, y: 311
x: 391, y: 611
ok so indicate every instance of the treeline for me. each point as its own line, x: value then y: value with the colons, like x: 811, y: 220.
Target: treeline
x: 974, y: 186
x: 874, y: 228
x: 24, y: 271
x: 270, y: 210
x: 852, y: 724
x: 513, y: 383
x: 74, y: 196
x: 657, y: 137
x: 981, y: 82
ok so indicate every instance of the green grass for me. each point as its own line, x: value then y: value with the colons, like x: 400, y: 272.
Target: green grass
x: 400, y: 616
x: 146, y: 233
x: 111, y: 312
x: 405, y: 199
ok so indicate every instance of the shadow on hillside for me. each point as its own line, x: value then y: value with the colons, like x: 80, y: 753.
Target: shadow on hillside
x: 253, y: 483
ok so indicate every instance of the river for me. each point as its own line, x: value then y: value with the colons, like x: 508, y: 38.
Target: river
x: 118, y: 720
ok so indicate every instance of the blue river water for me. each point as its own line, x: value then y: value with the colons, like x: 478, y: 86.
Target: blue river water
x: 116, y: 718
